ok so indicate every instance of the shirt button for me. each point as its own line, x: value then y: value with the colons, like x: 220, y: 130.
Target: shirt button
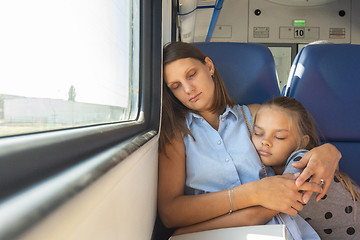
x: 219, y: 142
x: 222, y: 119
x: 227, y: 160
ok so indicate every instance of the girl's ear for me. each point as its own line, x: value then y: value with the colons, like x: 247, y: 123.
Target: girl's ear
x: 305, y: 140
x: 210, y: 65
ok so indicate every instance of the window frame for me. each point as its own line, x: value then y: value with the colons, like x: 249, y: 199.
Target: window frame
x: 31, y: 159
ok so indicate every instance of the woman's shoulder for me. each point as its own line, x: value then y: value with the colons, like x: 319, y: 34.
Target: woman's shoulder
x: 174, y: 148
x: 250, y: 110
x: 253, y: 108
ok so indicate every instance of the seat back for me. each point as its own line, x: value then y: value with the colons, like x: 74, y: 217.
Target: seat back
x: 325, y: 78
x: 247, y: 69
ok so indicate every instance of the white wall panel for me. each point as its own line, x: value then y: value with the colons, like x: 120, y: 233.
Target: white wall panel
x: 120, y: 205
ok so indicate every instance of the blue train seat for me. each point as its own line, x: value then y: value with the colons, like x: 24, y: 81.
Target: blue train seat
x: 247, y: 69
x: 325, y: 78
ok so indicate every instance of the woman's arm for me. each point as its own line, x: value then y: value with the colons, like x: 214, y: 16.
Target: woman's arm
x: 245, y: 217
x: 177, y: 210
x: 321, y: 163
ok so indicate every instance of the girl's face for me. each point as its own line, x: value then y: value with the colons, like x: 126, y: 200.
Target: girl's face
x: 275, y: 136
x: 190, y: 81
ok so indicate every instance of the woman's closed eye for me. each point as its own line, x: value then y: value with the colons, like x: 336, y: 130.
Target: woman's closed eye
x: 192, y: 74
x: 174, y: 85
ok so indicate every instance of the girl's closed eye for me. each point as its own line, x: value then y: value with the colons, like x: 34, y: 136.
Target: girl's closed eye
x: 257, y: 133
x: 280, y: 136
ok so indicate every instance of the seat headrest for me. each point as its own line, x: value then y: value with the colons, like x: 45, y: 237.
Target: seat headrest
x: 248, y: 70
x: 326, y: 79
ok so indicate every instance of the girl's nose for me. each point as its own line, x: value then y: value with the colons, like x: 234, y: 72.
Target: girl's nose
x: 266, y: 143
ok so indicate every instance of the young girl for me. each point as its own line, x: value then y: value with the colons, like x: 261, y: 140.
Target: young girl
x: 283, y: 131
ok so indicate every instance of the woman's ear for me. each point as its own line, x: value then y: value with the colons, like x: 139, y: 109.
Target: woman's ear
x: 210, y: 65
x: 305, y: 141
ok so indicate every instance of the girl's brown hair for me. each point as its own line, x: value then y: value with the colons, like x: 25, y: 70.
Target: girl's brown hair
x: 306, y: 125
x: 173, y: 111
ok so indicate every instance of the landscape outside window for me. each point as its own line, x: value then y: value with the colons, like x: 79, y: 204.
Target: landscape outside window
x: 72, y: 63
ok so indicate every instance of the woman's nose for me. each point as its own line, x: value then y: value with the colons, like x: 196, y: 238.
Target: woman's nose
x: 188, y: 87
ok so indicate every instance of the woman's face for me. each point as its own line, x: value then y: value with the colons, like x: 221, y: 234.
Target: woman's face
x: 190, y: 81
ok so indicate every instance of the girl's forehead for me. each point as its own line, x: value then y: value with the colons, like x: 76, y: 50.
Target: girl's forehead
x: 276, y: 112
x: 272, y: 110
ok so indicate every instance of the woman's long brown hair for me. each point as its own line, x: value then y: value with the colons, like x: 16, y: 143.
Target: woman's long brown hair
x: 173, y: 111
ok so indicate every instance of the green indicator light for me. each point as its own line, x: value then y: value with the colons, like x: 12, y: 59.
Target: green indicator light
x: 299, y: 23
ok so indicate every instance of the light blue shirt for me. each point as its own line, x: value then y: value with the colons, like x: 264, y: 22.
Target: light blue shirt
x: 294, y: 157
x: 221, y: 159
x: 224, y: 158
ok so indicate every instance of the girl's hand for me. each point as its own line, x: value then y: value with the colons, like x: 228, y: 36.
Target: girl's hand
x: 280, y: 193
x: 321, y: 163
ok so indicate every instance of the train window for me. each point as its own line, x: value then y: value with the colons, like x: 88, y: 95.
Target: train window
x: 282, y: 58
x: 283, y: 55
x: 86, y: 69
x: 66, y: 64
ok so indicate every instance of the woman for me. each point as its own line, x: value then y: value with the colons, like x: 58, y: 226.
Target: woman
x: 205, y: 148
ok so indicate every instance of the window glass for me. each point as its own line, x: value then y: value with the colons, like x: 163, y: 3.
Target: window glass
x: 67, y: 63
x: 301, y: 45
x: 282, y: 58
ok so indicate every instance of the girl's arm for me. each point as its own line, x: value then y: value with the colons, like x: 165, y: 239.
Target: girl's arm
x: 177, y: 210
x: 321, y: 163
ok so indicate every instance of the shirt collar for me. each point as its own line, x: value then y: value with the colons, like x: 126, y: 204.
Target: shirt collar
x: 190, y: 116
x: 228, y: 111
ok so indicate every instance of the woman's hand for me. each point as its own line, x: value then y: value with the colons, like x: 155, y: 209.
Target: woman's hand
x: 321, y: 163
x: 280, y: 193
